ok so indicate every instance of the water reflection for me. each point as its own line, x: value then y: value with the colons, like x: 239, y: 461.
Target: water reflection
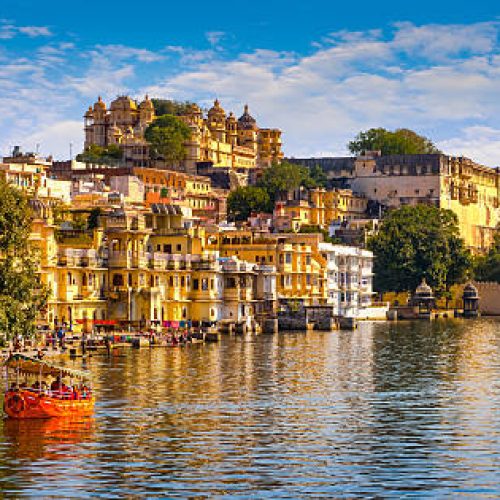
x: 386, y: 410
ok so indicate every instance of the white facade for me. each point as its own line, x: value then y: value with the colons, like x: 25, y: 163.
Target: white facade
x: 349, y: 279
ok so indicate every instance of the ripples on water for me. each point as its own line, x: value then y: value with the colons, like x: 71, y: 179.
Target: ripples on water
x: 389, y: 410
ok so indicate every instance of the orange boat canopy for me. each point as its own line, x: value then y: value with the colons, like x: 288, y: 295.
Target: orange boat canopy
x: 34, y: 366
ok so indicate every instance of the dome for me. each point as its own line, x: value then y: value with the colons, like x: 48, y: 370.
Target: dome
x: 423, y: 290
x: 99, y: 105
x: 194, y: 110
x: 217, y: 110
x: 470, y: 291
x: 89, y: 113
x: 146, y: 104
x: 246, y: 121
x: 123, y: 103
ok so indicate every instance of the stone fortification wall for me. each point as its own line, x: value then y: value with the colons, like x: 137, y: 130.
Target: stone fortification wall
x: 489, y: 297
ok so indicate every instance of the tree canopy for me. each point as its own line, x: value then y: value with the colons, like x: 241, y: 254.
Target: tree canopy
x: 416, y: 242
x: 170, y: 107
x: 21, y: 292
x: 167, y: 135
x: 278, y: 178
x: 487, y: 267
x: 401, y: 141
x: 244, y: 200
x: 107, y: 155
x: 285, y: 176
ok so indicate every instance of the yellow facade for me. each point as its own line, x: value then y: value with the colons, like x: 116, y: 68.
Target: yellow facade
x: 300, y: 271
x: 217, y: 138
x: 318, y: 207
x: 470, y: 190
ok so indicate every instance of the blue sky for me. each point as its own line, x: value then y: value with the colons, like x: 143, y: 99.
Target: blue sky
x: 320, y: 70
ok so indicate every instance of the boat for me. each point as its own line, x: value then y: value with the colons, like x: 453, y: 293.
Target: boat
x: 41, y: 400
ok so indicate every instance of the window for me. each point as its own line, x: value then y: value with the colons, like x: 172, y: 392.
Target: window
x: 288, y: 258
x: 195, y: 284
x: 117, y: 280
x: 179, y: 247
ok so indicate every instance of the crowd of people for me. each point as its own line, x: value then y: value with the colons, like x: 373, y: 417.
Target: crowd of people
x: 57, y: 389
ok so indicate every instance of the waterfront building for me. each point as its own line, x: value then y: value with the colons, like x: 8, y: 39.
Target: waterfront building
x: 217, y: 139
x: 317, y: 207
x: 470, y: 190
x: 349, y: 279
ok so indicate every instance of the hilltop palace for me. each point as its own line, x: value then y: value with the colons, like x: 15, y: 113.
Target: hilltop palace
x: 217, y: 139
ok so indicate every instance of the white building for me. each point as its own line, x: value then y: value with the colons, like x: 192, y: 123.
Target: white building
x: 350, y: 281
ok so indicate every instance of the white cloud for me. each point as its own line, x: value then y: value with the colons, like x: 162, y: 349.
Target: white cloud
x: 352, y: 81
x: 442, y: 81
x: 122, y: 52
x: 9, y: 30
x: 54, y: 139
x: 439, y: 42
x: 215, y: 37
x: 34, y: 31
x: 478, y: 142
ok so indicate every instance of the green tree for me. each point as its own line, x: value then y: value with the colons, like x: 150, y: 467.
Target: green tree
x: 21, y: 293
x: 108, y: 155
x: 283, y: 177
x: 401, y: 141
x: 170, y: 107
x: 167, y: 136
x: 244, y: 200
x: 416, y: 242
x: 487, y: 267
x: 93, y: 219
x: 317, y: 174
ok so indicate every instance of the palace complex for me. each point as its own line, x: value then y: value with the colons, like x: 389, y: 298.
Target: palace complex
x: 470, y: 190
x: 217, y: 138
x: 138, y: 243
x: 160, y: 253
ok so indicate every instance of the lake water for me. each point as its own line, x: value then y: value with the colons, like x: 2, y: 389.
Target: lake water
x: 408, y: 409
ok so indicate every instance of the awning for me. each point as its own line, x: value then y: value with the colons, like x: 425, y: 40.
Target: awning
x: 35, y: 366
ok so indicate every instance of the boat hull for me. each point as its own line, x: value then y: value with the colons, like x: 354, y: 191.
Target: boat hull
x: 27, y: 404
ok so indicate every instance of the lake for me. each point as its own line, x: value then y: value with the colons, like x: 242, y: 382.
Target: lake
x: 390, y: 410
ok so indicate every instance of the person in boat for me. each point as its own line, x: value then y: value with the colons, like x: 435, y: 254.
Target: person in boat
x: 57, y: 385
x: 13, y: 387
x: 36, y: 386
x: 85, y: 394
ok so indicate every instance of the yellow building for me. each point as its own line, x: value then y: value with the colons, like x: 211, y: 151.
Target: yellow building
x: 318, y: 207
x: 470, y: 190
x: 73, y: 266
x: 300, y: 269
x: 219, y: 139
